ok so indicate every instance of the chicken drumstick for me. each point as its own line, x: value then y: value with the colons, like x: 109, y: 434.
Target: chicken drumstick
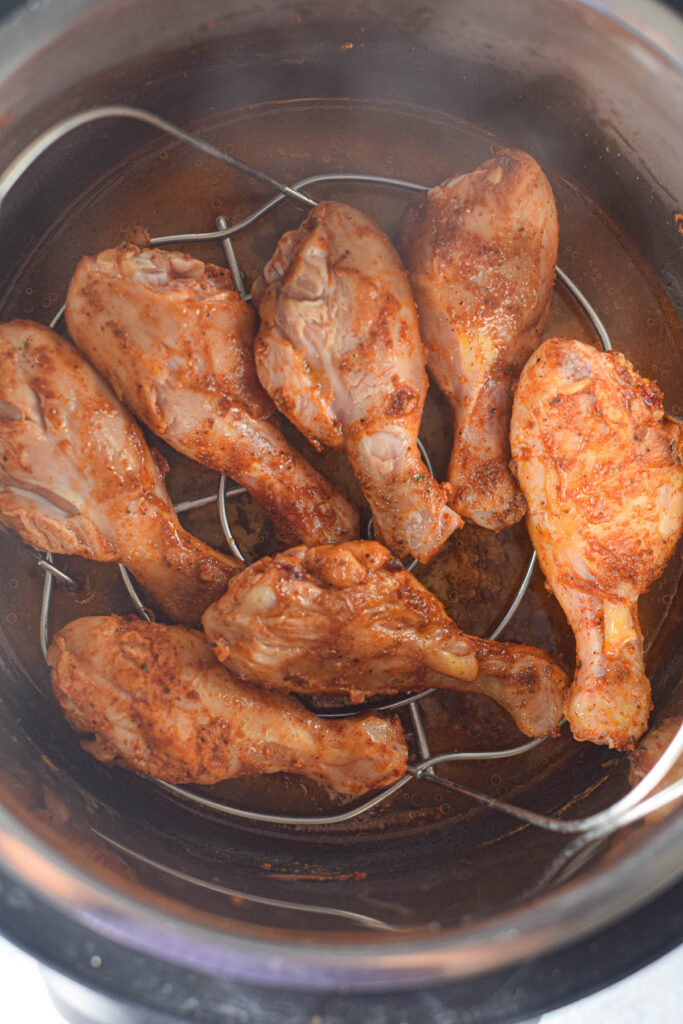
x: 481, y: 251
x: 349, y: 619
x: 174, y: 340
x: 601, y: 468
x: 77, y: 478
x: 340, y: 353
x: 158, y: 702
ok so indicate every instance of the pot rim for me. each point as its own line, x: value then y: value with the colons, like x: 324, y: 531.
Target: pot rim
x: 546, y: 923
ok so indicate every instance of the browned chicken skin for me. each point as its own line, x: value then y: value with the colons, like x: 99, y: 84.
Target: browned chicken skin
x: 481, y: 252
x: 174, y: 340
x: 340, y: 353
x: 601, y: 468
x: 158, y: 702
x: 77, y: 478
x: 349, y: 619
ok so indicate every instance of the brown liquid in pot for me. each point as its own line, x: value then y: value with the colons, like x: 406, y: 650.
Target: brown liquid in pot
x: 171, y: 189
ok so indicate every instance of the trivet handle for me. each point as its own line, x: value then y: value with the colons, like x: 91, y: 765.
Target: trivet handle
x: 21, y: 163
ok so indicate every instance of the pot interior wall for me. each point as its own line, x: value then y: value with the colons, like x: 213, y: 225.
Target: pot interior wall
x: 422, y: 94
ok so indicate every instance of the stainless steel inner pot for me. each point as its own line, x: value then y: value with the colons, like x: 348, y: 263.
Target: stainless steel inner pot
x: 593, y: 91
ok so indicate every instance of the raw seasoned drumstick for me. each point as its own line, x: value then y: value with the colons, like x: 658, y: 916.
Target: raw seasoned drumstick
x: 349, y: 619
x: 157, y: 702
x: 601, y: 468
x: 481, y: 252
x: 340, y: 353
x: 174, y: 339
x: 77, y: 478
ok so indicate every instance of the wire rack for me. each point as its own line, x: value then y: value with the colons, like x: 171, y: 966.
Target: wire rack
x: 639, y: 802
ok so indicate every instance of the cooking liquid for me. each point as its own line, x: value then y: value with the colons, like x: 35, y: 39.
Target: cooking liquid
x: 169, y: 189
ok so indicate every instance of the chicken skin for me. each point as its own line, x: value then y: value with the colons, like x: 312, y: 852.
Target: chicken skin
x: 349, y: 619
x: 174, y: 340
x: 340, y: 353
x: 157, y: 702
x: 481, y: 252
x: 601, y: 468
x: 77, y: 478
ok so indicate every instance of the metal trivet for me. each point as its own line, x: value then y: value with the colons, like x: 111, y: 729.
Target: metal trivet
x: 636, y: 804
